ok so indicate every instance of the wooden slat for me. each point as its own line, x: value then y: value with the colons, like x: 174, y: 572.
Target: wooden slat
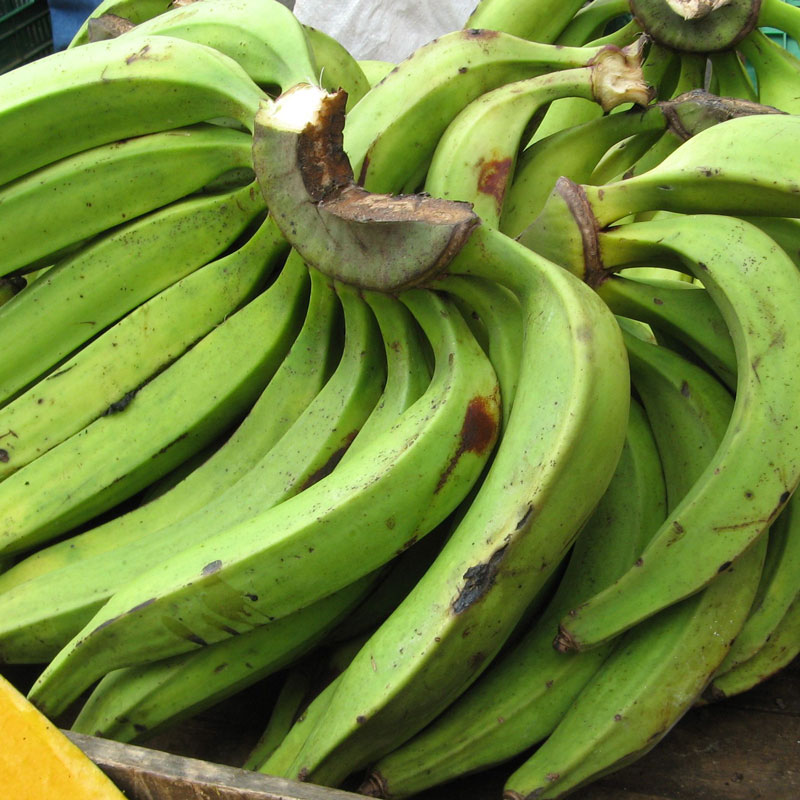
x: 145, y: 774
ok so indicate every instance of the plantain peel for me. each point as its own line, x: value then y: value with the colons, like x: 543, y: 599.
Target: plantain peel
x: 373, y: 241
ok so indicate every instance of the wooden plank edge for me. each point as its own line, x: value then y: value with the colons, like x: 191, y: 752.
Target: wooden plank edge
x: 146, y: 774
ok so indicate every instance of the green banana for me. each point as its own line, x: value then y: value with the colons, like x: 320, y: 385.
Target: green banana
x: 724, y: 169
x: 591, y: 21
x: 296, y: 383
x: 653, y: 676
x: 135, y: 11
x: 521, y: 697
x: 730, y: 75
x: 390, y: 139
x: 779, y: 588
x: 45, y: 212
x: 135, y: 349
x: 318, y: 541
x: 131, y: 702
x: 287, y: 707
x: 501, y: 314
x: 398, y: 580
x: 656, y: 671
x: 263, y: 36
x: 779, y: 650
x: 683, y: 310
x: 542, y: 20
x: 111, y: 90
x: 756, y: 468
x: 407, y: 373
x: 374, y: 70
x: 784, y: 231
x: 777, y: 71
x: 475, y: 157
x: 337, y: 69
x: 154, y: 428
x: 574, y: 152
x: 310, y: 449
x: 87, y: 291
x: 469, y: 601
x: 583, y: 153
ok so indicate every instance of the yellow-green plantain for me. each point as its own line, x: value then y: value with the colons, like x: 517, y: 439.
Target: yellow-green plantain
x: 724, y: 169
x: 779, y: 588
x: 657, y: 670
x: 85, y: 292
x: 262, y: 36
x: 135, y: 349
x: 777, y: 71
x: 542, y: 20
x: 521, y: 696
x: 136, y: 701
x: 757, y: 466
x: 110, y: 90
x: 81, y: 196
x: 336, y: 67
x: 777, y: 652
x: 156, y: 426
x: 682, y: 310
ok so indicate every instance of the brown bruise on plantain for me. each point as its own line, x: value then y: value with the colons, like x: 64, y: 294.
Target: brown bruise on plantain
x: 493, y: 179
x: 478, y: 433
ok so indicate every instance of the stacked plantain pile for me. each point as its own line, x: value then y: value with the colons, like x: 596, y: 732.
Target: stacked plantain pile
x: 489, y: 449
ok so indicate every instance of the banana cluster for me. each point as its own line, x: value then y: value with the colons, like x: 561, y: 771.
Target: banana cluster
x: 460, y: 392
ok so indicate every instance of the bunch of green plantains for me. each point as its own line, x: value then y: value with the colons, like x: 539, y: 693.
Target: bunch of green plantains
x: 460, y: 395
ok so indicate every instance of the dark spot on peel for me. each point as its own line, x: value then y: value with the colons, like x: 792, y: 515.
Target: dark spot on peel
x: 480, y: 33
x: 220, y: 667
x: 478, y: 433
x: 361, y: 719
x: 785, y: 497
x: 330, y: 464
x: 724, y: 566
x: 476, y: 659
x: 478, y: 580
x: 252, y: 597
x: 524, y: 519
x: 685, y: 390
x: 493, y: 179
x: 4, y: 456
x: 193, y: 637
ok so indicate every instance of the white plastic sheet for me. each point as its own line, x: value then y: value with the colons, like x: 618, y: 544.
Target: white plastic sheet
x: 387, y: 30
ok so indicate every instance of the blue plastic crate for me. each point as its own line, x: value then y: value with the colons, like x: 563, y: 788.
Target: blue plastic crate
x: 25, y: 33
x: 782, y: 38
